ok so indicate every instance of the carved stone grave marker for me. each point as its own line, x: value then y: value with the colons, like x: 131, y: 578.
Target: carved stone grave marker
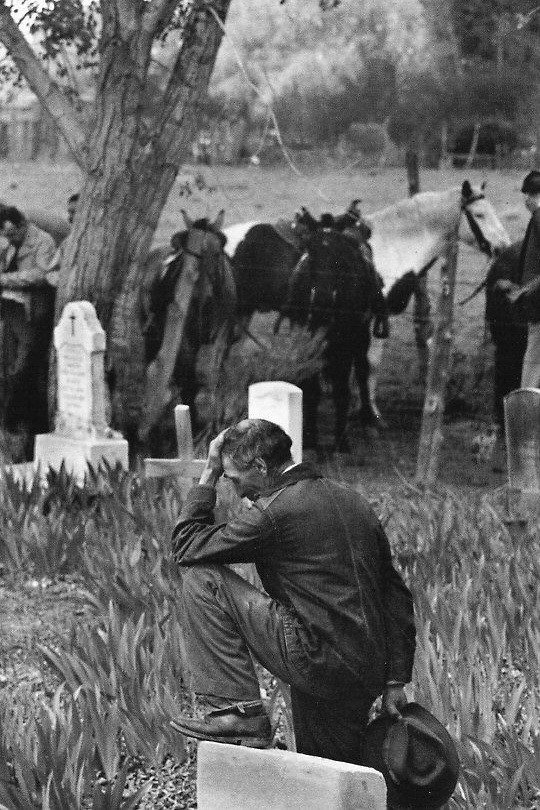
x: 279, y: 402
x: 81, y: 435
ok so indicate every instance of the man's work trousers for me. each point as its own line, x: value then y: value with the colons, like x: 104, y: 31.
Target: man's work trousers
x: 530, y: 375
x: 228, y: 621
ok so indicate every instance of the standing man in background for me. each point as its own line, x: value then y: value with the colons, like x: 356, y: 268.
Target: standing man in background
x: 333, y: 618
x: 27, y: 310
x: 528, y: 296
x: 524, y: 296
x: 53, y: 271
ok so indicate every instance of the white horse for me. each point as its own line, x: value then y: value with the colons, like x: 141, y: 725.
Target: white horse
x: 409, y: 234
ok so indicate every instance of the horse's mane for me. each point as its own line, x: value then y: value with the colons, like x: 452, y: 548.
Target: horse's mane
x: 426, y: 208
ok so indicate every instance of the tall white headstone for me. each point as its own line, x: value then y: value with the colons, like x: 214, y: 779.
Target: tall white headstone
x: 279, y: 402
x: 81, y: 435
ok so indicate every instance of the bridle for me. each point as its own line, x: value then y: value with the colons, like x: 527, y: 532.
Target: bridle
x: 483, y: 243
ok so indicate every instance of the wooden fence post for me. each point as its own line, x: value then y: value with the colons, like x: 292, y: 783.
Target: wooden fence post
x: 431, y: 435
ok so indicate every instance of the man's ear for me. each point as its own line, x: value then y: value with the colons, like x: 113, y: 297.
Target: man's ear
x: 261, y: 466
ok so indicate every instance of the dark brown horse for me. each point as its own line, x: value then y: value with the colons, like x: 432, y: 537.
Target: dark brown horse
x: 189, y: 295
x: 334, y: 287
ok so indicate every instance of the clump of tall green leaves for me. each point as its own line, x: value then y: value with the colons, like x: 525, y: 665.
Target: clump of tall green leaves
x: 122, y: 671
x: 477, y: 664
x: 52, y: 759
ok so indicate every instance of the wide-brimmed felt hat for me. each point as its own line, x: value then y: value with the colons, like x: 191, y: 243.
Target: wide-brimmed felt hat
x: 531, y: 183
x: 416, y: 756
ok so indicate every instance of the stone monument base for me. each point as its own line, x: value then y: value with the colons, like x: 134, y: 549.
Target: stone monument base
x: 52, y: 449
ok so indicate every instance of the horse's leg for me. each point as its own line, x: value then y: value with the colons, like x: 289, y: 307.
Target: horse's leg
x: 311, y: 393
x: 364, y: 377
x: 340, y: 361
x: 368, y: 396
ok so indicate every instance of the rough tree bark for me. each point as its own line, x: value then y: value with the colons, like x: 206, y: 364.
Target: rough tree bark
x: 130, y: 159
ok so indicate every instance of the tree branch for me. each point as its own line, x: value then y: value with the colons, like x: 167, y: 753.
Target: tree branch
x: 129, y: 12
x: 157, y: 15
x: 49, y: 94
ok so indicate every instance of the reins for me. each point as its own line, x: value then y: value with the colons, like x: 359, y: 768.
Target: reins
x: 483, y: 243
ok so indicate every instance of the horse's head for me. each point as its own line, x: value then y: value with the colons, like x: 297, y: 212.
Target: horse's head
x: 481, y: 226
x: 198, y: 253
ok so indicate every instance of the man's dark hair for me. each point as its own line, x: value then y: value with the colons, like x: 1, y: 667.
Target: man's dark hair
x: 12, y: 214
x: 531, y: 183
x: 74, y: 197
x: 257, y: 438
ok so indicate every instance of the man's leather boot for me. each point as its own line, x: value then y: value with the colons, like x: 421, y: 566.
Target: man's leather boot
x: 245, y: 723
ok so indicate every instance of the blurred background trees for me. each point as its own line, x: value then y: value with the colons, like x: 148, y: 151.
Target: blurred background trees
x: 419, y: 74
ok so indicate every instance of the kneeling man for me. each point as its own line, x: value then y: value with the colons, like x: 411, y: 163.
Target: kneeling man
x: 335, y: 619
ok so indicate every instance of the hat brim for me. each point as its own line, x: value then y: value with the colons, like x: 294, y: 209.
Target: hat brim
x: 407, y: 793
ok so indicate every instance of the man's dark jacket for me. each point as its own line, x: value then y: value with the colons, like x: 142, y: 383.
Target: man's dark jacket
x: 529, y: 270
x: 322, y: 554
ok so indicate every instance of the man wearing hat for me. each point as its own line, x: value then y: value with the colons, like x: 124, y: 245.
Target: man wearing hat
x: 525, y: 296
x: 333, y: 617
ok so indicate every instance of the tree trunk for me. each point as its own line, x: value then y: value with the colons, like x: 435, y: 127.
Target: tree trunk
x: 431, y: 435
x: 413, y: 172
x: 445, y: 158
x: 474, y: 145
x: 133, y: 162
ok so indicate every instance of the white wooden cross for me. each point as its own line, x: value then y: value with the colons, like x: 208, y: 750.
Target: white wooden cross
x: 186, y: 468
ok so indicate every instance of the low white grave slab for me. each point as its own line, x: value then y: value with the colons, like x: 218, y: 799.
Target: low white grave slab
x: 232, y: 777
x: 279, y: 402
x: 81, y: 436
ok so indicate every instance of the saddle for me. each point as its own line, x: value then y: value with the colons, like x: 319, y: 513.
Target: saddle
x: 332, y: 284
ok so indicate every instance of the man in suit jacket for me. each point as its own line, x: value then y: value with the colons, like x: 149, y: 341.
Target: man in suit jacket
x: 333, y: 617
x: 27, y: 313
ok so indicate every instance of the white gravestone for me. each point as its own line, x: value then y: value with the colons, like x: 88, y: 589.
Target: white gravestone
x: 81, y: 436
x: 232, y: 777
x: 281, y: 403
x: 522, y: 423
